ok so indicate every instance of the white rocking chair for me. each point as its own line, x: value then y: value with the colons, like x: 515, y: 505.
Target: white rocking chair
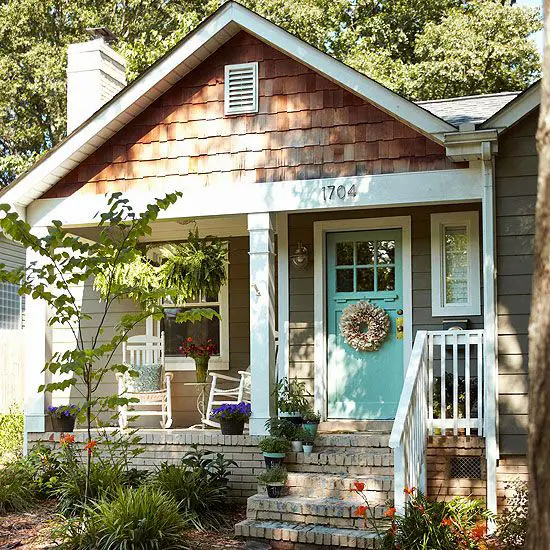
x: 235, y: 394
x: 140, y: 351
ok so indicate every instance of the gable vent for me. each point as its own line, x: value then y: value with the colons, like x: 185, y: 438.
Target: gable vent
x: 241, y: 88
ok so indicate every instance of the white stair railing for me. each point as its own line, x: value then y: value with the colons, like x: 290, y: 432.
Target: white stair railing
x: 409, y: 434
x: 455, y: 377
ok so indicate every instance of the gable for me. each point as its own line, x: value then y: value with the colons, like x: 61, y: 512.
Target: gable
x: 307, y: 127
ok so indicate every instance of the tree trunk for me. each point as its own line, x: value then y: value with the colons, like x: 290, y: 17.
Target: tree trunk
x: 539, y: 331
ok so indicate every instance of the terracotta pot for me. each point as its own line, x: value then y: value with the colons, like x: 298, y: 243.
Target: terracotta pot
x: 232, y: 426
x: 65, y: 424
x: 201, y: 365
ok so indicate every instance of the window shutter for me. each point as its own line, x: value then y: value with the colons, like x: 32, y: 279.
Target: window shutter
x: 241, y: 88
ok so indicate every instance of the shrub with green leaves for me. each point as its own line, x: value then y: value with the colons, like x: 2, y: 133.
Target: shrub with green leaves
x: 17, y: 492
x: 512, y: 523
x: 139, y: 519
x: 11, y: 434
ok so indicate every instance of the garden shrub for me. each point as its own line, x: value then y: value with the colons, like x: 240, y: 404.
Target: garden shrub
x: 138, y: 519
x: 17, y: 491
x: 11, y: 434
x: 199, y: 486
x: 512, y: 523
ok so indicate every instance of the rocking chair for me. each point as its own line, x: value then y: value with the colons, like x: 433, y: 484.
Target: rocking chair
x: 152, y: 386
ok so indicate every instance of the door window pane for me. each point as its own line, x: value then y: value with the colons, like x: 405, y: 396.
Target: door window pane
x: 386, y: 252
x: 386, y: 278
x: 344, y: 280
x: 344, y: 253
x: 365, y: 253
x: 456, y: 264
x: 365, y: 279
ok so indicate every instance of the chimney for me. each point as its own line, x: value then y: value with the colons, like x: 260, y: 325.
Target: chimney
x: 95, y: 73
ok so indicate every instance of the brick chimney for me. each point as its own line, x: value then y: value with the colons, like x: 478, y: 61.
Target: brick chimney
x: 95, y: 73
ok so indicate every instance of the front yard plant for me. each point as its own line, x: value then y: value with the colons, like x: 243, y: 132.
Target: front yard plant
x: 232, y: 417
x: 11, y: 434
x: 274, y: 450
x: 16, y: 487
x: 291, y: 398
x: 274, y: 479
x: 63, y: 417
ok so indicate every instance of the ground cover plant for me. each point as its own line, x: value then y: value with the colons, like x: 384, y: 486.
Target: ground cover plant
x: 11, y: 434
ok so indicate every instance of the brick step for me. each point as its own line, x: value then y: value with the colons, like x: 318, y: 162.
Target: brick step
x: 332, y: 512
x: 313, y: 485
x: 368, y: 440
x: 303, y: 537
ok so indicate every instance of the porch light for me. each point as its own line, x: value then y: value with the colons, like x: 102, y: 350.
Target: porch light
x: 300, y: 258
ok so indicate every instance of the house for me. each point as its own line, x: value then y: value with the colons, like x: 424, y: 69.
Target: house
x: 330, y: 190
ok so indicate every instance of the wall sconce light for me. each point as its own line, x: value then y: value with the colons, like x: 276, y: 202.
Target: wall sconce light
x: 300, y: 257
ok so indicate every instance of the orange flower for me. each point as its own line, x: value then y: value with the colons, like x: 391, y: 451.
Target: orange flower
x: 359, y: 486
x: 66, y: 439
x: 479, y: 531
x: 361, y: 511
x: 90, y: 446
x: 390, y: 512
x: 446, y: 522
x: 409, y: 491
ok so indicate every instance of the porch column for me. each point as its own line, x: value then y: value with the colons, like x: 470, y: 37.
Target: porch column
x: 490, y: 324
x: 262, y: 319
x: 37, y: 349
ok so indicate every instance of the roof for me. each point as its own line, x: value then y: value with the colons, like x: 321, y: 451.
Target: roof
x: 474, y: 109
x: 210, y: 35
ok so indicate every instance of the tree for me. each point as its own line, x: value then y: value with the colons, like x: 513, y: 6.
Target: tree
x: 67, y: 262
x: 539, y: 331
x: 420, y: 48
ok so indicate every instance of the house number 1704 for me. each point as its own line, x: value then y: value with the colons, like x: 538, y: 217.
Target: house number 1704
x: 331, y: 192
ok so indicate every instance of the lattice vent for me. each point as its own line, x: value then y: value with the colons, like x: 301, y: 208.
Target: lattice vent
x: 466, y: 467
x: 241, y: 88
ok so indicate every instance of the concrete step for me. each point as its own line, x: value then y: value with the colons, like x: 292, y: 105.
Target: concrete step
x: 282, y: 534
x: 314, y: 485
x: 332, y: 512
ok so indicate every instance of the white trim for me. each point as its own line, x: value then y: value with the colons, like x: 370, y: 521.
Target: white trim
x: 216, y: 363
x: 320, y: 229
x: 438, y: 224
x: 283, y: 295
x: 514, y: 111
x: 250, y: 105
x: 196, y: 47
x: 381, y: 190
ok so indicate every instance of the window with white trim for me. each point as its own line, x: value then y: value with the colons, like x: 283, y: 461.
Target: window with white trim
x: 455, y: 264
x: 241, y: 89
x: 216, y: 329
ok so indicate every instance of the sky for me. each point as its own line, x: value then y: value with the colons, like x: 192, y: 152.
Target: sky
x: 538, y: 36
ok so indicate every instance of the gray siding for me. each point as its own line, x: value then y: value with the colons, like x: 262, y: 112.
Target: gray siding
x: 301, y: 282
x: 516, y: 191
x: 11, y: 254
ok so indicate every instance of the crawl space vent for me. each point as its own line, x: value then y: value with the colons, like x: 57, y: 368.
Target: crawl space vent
x: 466, y: 467
x: 241, y: 88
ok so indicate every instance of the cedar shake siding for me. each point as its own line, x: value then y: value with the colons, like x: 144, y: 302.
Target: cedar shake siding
x: 300, y: 229
x: 307, y: 127
x: 516, y: 193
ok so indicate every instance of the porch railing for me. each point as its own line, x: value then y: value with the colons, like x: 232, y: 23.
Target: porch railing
x: 443, y: 391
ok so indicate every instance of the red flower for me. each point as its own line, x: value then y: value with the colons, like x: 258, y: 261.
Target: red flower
x: 479, y: 531
x: 361, y: 511
x: 189, y: 339
x: 66, y: 439
x: 359, y: 486
x: 390, y: 512
x: 446, y: 522
x: 409, y: 491
x: 90, y: 446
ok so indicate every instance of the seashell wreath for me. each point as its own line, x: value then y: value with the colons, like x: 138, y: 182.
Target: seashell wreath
x: 364, y: 326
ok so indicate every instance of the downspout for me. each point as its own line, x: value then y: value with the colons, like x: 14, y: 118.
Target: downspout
x: 490, y: 322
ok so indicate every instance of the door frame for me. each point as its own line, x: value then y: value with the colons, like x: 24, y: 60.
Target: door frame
x: 320, y: 230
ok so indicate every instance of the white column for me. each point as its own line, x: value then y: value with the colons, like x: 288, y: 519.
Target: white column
x: 282, y: 295
x: 490, y: 324
x: 262, y: 319
x: 37, y: 351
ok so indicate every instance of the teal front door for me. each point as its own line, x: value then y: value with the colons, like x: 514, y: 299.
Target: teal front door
x: 364, y: 266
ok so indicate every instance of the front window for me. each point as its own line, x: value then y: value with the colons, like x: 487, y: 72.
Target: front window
x: 455, y: 264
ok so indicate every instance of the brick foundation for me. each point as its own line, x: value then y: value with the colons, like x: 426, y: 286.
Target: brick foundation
x: 510, y: 468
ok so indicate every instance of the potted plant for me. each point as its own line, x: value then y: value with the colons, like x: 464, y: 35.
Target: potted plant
x: 310, y: 421
x: 298, y: 438
x: 281, y: 427
x: 274, y: 450
x: 308, y: 439
x: 274, y: 479
x: 63, y: 417
x: 291, y: 397
x: 200, y: 353
x: 232, y: 417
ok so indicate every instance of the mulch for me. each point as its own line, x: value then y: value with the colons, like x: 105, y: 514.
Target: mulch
x: 31, y: 530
